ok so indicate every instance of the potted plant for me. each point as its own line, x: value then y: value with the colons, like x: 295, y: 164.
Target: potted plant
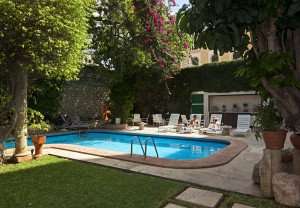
x: 245, y: 106
x: 37, y: 128
x: 224, y: 108
x: 268, y: 124
x: 235, y: 108
x: 38, y: 138
x: 295, y: 140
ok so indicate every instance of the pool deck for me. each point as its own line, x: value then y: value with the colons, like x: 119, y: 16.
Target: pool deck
x: 234, y: 176
x: 221, y: 157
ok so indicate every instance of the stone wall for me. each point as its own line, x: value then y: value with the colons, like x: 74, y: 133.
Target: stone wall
x: 84, y: 98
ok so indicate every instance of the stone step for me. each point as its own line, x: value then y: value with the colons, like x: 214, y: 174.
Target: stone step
x: 237, y: 205
x: 171, y: 205
x: 201, y: 197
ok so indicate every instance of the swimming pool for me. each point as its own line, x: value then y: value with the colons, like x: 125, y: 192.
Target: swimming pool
x: 173, y: 148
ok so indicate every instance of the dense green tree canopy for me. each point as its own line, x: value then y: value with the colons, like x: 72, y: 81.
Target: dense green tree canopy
x: 266, y: 32
x: 43, y: 36
x: 38, y: 39
x: 134, y: 37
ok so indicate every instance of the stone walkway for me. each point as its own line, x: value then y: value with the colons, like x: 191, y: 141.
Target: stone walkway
x: 194, y: 197
x: 235, y: 176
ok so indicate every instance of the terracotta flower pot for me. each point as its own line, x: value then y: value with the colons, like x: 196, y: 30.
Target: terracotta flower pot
x: 274, y: 140
x: 38, y: 141
x: 295, y: 140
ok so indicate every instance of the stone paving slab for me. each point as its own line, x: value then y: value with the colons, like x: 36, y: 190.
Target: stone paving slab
x: 200, y: 197
x: 237, y: 205
x: 171, y: 205
x: 235, y: 176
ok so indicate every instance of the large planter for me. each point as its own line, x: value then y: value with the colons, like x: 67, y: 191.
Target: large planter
x: 295, y: 140
x: 38, y: 141
x: 274, y: 140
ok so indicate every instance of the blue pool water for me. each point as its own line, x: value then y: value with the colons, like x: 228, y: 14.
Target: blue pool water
x: 167, y: 147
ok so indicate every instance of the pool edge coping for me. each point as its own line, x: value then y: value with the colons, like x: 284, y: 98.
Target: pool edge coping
x: 222, y: 157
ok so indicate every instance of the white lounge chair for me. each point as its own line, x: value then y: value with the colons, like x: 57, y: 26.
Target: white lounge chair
x: 136, y: 118
x: 215, y: 125
x: 184, y: 120
x: 199, y: 117
x: 216, y: 117
x: 172, y: 124
x: 243, y: 125
x: 157, y: 119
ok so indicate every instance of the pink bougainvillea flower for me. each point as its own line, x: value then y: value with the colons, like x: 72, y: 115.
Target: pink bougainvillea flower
x: 155, y: 2
x: 172, y: 2
x: 172, y: 19
x: 147, y: 40
x: 161, y: 63
x: 186, y: 45
x: 148, y: 27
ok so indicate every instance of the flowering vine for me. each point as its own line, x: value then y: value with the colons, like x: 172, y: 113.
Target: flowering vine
x: 160, y: 37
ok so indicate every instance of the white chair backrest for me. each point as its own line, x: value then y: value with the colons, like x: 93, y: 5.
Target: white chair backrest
x: 154, y: 118
x: 157, y: 118
x: 217, y: 117
x: 173, y: 119
x: 244, y: 121
x: 137, y: 118
x: 184, y: 119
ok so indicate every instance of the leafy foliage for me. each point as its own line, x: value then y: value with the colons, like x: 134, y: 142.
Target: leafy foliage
x: 266, y: 33
x: 43, y: 37
x: 45, y: 96
x: 36, y: 122
x: 225, y: 25
x: 215, y: 77
x: 267, y: 118
x: 122, y: 99
x: 134, y: 37
x: 38, y: 40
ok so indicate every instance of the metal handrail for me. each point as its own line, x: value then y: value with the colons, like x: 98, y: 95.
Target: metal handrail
x: 131, y: 146
x: 155, y: 148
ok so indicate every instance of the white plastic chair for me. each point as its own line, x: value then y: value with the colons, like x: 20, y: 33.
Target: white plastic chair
x: 184, y: 120
x: 157, y: 119
x: 136, y: 118
x: 216, y: 117
x: 172, y: 124
x: 243, y: 125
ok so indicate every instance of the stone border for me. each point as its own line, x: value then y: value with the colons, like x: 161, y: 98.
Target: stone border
x: 220, y: 158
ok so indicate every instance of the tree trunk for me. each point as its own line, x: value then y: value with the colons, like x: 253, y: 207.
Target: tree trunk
x: 287, y: 98
x: 20, y: 102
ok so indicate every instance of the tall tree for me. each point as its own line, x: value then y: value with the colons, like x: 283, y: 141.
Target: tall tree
x: 266, y: 32
x: 133, y: 36
x: 38, y: 39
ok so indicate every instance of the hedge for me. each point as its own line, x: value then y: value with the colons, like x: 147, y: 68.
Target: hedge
x: 215, y: 77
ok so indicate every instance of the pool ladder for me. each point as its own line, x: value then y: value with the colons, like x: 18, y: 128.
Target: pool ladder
x: 144, y: 150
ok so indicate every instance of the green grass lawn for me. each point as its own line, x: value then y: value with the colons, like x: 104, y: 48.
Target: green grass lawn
x: 54, y: 182
x: 59, y: 183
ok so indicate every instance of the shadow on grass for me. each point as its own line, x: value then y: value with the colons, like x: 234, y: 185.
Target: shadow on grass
x: 55, y: 182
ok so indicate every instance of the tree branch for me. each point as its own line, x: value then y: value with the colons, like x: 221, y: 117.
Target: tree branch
x: 296, y: 37
x: 275, y: 93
